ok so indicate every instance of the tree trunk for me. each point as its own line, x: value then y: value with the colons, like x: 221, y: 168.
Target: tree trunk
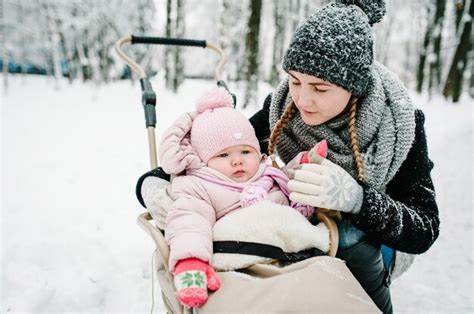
x: 295, y: 8
x: 471, y: 83
x: 167, y: 56
x: 231, y: 30
x: 454, y: 81
x: 420, y: 74
x: 178, y: 59
x: 225, y: 42
x: 459, y: 7
x: 410, y: 45
x: 279, y: 10
x: 85, y: 71
x: 251, y: 45
x: 384, y: 38
x: 4, y: 45
x: 435, y: 61
x: 53, y: 39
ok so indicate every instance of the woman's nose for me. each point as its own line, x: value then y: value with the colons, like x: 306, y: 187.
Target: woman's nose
x: 305, y: 98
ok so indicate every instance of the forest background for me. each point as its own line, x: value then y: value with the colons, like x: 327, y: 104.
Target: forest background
x: 428, y: 43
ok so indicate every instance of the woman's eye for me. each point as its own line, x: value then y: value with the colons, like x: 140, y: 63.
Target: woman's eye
x: 294, y: 83
x: 319, y: 90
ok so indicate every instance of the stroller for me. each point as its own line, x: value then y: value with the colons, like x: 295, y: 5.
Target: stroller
x: 314, y: 283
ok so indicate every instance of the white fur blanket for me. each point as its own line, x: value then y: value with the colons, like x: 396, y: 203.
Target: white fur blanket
x: 267, y: 223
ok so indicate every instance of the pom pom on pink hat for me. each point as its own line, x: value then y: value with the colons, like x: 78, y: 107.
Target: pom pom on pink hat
x: 215, y: 98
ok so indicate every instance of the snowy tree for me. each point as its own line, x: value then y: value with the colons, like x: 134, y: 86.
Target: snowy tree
x: 167, y: 53
x: 175, y: 27
x: 178, y: 59
x: 384, y: 38
x: 74, y: 38
x: 426, y: 42
x: 279, y: 16
x: 471, y: 83
x: 435, y: 64
x: 295, y: 14
x: 252, y: 51
x: 231, y: 30
x: 3, y: 39
x: 459, y: 6
x: 430, y: 50
x: 454, y: 82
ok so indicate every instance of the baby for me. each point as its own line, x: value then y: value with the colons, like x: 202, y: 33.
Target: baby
x: 215, y: 158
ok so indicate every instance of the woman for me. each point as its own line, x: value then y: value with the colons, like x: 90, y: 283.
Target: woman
x: 377, y: 172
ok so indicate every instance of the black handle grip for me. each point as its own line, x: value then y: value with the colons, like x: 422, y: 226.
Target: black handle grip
x: 168, y: 41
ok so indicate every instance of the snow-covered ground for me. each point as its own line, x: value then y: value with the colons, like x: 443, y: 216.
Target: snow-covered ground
x: 71, y: 156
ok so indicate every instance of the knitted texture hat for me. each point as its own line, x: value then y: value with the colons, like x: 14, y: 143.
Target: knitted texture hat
x: 219, y: 126
x: 335, y: 44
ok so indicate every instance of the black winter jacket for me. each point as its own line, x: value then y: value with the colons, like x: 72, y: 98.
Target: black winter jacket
x: 405, y: 217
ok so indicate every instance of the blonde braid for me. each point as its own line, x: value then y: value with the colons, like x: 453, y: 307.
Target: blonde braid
x: 278, y: 128
x: 355, y: 151
x: 353, y: 138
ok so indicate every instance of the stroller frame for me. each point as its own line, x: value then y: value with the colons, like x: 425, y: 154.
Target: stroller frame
x: 149, y: 102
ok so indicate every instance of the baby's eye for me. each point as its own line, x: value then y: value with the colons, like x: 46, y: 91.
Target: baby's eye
x: 245, y: 152
x: 223, y: 155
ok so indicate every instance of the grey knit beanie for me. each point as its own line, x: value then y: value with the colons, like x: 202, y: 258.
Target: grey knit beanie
x: 336, y: 45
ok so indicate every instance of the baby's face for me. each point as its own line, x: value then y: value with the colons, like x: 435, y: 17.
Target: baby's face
x: 239, y: 163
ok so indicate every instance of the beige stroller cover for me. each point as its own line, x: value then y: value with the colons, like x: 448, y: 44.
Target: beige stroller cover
x: 320, y: 284
x: 250, y: 284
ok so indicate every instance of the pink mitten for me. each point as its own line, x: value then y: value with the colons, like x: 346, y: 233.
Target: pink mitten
x: 192, y: 278
x: 319, y: 150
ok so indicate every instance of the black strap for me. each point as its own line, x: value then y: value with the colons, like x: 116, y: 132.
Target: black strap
x: 264, y: 250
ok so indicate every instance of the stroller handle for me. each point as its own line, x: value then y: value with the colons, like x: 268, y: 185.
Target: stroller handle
x: 166, y: 41
x: 148, y: 95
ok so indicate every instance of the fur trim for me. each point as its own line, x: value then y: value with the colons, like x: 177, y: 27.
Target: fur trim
x: 267, y: 223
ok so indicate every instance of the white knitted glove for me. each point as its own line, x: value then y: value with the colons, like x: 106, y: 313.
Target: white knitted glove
x: 156, y: 199
x: 325, y: 184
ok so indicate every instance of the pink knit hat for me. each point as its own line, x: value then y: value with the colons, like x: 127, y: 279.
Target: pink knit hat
x: 218, y: 125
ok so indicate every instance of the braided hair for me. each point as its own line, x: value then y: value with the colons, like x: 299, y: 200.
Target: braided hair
x: 288, y: 115
x: 278, y: 128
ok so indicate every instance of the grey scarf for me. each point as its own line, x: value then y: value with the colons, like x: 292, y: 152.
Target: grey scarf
x: 385, y: 124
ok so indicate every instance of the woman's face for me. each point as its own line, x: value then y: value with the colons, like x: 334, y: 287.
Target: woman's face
x: 317, y: 100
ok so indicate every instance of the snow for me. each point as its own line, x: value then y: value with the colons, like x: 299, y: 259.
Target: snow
x: 71, y: 156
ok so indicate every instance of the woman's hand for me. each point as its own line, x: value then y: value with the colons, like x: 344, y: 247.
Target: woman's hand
x: 156, y: 199
x: 325, y: 184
